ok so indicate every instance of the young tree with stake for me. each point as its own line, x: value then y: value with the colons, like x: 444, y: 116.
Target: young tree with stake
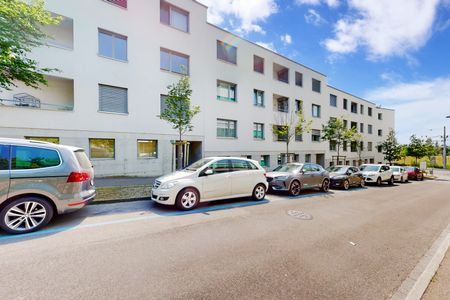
x: 336, y: 131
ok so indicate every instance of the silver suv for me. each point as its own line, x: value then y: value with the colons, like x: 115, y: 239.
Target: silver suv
x: 39, y: 180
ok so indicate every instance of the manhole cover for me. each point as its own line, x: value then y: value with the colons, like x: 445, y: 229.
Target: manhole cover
x: 299, y: 215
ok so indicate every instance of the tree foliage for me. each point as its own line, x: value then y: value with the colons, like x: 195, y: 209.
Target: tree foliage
x: 391, y: 148
x: 416, y: 148
x: 21, y: 31
x: 335, y: 131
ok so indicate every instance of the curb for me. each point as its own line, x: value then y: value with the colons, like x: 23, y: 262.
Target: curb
x: 119, y: 200
x: 414, y: 286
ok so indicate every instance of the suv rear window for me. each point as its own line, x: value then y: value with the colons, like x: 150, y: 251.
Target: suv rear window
x: 33, y: 158
x: 83, y: 160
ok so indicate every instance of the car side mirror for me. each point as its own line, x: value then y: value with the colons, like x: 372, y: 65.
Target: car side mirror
x: 381, y: 171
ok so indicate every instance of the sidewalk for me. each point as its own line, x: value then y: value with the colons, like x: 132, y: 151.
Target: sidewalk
x: 123, y: 188
x: 439, y: 287
x: 124, y: 181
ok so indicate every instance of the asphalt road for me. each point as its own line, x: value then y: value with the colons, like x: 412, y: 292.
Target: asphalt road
x: 359, y: 244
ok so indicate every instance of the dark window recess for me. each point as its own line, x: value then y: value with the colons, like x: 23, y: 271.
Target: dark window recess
x: 298, y: 79
x: 226, y: 52
x: 113, y: 99
x: 333, y: 100
x: 354, y: 125
x: 369, y: 111
x: 316, y: 85
x: 121, y: 3
x: 258, y: 64
x: 354, y: 107
x: 163, y: 104
x: 33, y: 158
x: 283, y: 104
x: 345, y: 104
x: 280, y: 73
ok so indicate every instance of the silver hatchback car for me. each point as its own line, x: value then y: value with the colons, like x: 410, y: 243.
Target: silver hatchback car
x: 39, y: 180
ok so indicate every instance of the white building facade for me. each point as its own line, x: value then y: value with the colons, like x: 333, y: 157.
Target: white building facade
x: 115, y: 60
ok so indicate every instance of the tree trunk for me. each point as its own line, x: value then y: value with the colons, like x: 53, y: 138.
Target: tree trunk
x: 287, y: 152
x: 180, y: 154
x: 338, y: 148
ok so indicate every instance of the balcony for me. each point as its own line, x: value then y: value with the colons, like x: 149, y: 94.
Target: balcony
x: 60, y: 35
x: 280, y: 103
x: 280, y: 73
x: 58, y: 95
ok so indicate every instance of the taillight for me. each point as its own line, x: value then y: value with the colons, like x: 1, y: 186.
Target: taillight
x: 78, y: 177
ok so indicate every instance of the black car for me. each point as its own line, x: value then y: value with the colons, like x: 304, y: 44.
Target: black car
x: 345, y: 177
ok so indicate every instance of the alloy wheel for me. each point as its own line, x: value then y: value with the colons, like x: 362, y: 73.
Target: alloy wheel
x: 295, y: 188
x: 346, y: 185
x: 260, y: 192
x: 189, y: 200
x: 25, y: 216
x: 325, y: 185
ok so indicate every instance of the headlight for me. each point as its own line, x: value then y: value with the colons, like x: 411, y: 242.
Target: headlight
x: 168, y: 185
x: 281, y: 178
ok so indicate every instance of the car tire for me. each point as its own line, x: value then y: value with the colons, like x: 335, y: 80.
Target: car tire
x: 259, y: 192
x: 187, y: 199
x: 295, y: 188
x: 362, y: 183
x: 325, y: 186
x: 391, y: 181
x: 25, y: 215
x: 421, y: 177
x: 346, y: 185
x: 379, y: 181
x: 402, y: 180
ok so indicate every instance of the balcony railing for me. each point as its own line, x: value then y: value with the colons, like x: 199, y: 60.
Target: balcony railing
x: 28, y: 101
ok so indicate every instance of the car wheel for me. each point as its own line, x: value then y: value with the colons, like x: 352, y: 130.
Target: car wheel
x: 421, y: 177
x: 379, y: 181
x: 25, y: 215
x: 187, y: 199
x: 391, y: 181
x: 402, y: 180
x: 346, y: 185
x: 259, y: 192
x: 295, y: 188
x: 325, y: 186
x: 362, y: 183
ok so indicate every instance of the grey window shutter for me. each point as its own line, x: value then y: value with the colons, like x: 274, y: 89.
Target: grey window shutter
x: 113, y: 99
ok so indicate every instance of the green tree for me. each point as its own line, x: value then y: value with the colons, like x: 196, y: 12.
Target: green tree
x: 288, y: 126
x: 403, y: 153
x: 391, y: 148
x: 335, y: 131
x: 357, y: 138
x: 416, y: 148
x: 21, y: 31
x: 179, y: 113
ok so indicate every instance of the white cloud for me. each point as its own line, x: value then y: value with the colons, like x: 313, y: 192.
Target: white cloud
x: 384, y: 27
x: 269, y: 46
x: 314, y: 18
x: 248, y: 13
x: 286, y: 39
x: 419, y: 106
x: 330, y: 3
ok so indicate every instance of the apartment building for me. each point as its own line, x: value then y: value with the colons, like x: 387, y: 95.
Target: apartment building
x: 116, y: 59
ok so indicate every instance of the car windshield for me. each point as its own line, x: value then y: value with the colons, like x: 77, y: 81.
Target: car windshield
x: 290, y: 168
x: 339, y: 170
x: 395, y: 169
x: 366, y: 168
x: 198, y: 164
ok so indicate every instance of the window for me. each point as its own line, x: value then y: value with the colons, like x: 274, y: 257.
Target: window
x: 102, y: 148
x: 298, y: 79
x: 258, y: 64
x: 174, y: 16
x: 380, y: 132
x: 369, y: 111
x: 380, y: 116
x: 369, y: 129
x: 344, y: 146
x: 174, y: 62
x: 354, y: 108
x: 298, y: 135
x: 333, y: 100
x: 332, y: 145
x: 316, y: 85
x: 241, y: 165
x: 361, y: 146
x: 265, y: 161
x: 226, y: 91
x: 379, y: 149
x: 345, y: 104
x: 354, y: 125
x: 121, y: 3
x: 162, y: 103
x: 54, y: 140
x: 147, y: 148
x: 280, y: 137
x: 315, y: 134
x: 361, y: 109
x: 226, y: 52
x: 23, y: 158
x: 316, y: 111
x: 113, y: 99
x: 345, y: 123
x: 369, y: 146
x: 361, y: 127
x: 258, y: 131
x: 353, y: 147
x: 298, y: 106
x: 307, y: 158
x: 4, y: 157
x: 221, y: 166
x: 258, y: 98
x: 283, y: 104
x: 112, y: 45
x: 226, y: 128
x: 280, y: 73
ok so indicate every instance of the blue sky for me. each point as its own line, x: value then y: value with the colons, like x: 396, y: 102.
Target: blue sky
x: 393, y: 52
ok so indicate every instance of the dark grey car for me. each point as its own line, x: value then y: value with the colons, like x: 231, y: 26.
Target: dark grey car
x: 293, y: 177
x: 39, y: 180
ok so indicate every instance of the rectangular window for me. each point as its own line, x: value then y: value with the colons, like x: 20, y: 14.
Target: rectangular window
x: 379, y: 149
x: 226, y: 91
x: 369, y: 129
x: 315, y: 134
x: 298, y: 79
x: 174, y: 62
x: 113, y: 99
x: 361, y: 127
x: 174, y: 16
x: 354, y: 125
x: 298, y: 135
x: 265, y: 161
x: 258, y: 98
x: 333, y: 100
x: 316, y: 85
x: 299, y: 106
x: 121, y: 3
x: 280, y: 73
x: 344, y: 146
x: 361, y: 109
x: 102, y: 148
x: 345, y: 123
x: 258, y: 64
x: 380, y: 116
x: 316, y: 111
x: 226, y: 52
x: 283, y: 104
x: 353, y: 147
x: 162, y: 103
x: 112, y: 45
x: 345, y: 104
x: 354, y: 107
x: 4, y: 157
x: 332, y: 145
x: 361, y: 146
x: 24, y: 158
x: 226, y: 128
x: 369, y: 146
x: 258, y: 131
x: 279, y: 137
x: 147, y: 148
x: 369, y: 111
x: 54, y: 140
x: 380, y: 132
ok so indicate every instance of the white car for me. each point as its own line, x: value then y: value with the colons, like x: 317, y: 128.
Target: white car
x: 210, y: 179
x: 400, y: 174
x: 377, y: 173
